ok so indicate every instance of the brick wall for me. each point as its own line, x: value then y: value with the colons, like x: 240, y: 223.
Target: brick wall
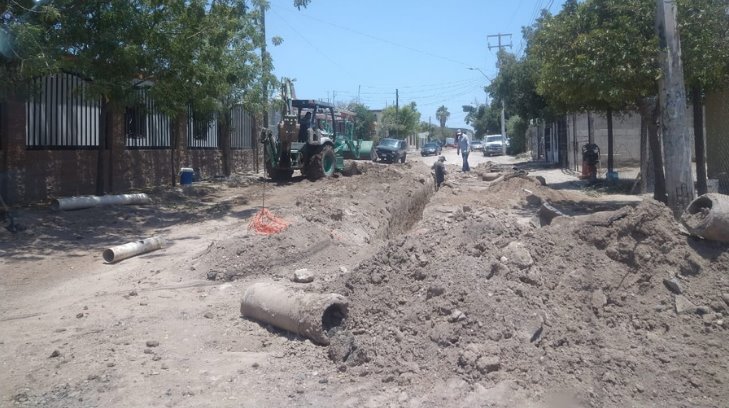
x: 28, y: 176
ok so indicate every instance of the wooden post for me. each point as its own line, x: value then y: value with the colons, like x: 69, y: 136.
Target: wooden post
x: 672, y: 95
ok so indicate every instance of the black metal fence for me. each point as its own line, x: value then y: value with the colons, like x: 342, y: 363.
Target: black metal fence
x: 202, y: 131
x: 60, y: 114
x: 145, y: 127
x: 241, y: 129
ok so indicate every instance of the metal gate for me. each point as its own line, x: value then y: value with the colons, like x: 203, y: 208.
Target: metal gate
x: 60, y: 114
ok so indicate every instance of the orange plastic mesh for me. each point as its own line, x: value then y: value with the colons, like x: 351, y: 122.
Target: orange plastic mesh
x: 265, y: 223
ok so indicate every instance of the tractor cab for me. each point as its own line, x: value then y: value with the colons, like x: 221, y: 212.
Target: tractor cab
x: 305, y: 142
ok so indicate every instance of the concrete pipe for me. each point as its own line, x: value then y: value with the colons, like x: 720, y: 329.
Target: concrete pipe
x: 76, y: 203
x: 310, y: 315
x: 708, y: 217
x: 490, y: 176
x: 120, y: 252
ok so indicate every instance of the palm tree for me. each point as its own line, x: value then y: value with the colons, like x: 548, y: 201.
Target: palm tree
x: 442, y: 115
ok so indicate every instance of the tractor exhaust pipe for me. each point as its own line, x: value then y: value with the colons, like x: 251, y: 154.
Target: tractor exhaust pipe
x: 310, y: 315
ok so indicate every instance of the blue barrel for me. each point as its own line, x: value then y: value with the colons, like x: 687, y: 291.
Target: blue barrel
x: 186, y: 174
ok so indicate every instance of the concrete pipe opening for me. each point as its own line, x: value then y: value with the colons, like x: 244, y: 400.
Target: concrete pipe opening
x: 708, y: 217
x: 312, y: 315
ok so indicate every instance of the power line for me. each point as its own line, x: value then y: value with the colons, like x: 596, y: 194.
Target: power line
x: 310, y: 43
x: 383, y: 40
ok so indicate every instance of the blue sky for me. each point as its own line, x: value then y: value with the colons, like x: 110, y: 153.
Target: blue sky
x: 341, y: 50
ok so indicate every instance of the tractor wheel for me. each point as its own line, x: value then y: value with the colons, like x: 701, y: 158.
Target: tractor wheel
x: 322, y: 164
x: 402, y: 159
x: 274, y: 173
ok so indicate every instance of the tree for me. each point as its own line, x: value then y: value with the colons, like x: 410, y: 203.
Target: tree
x: 516, y: 84
x: 403, y: 122
x: 485, y: 119
x: 197, y: 53
x: 442, y: 115
x: 703, y: 26
x: 517, y: 128
x: 364, y: 121
x: 600, y: 55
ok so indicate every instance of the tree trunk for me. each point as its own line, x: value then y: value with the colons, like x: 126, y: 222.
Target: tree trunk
x: 611, y: 153
x: 225, y: 125
x: 590, y: 128
x: 656, y: 151
x: 699, y: 142
x: 647, y: 176
x: 100, y: 162
x: 679, y: 175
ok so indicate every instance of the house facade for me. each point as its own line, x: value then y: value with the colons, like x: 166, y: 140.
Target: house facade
x: 52, y: 144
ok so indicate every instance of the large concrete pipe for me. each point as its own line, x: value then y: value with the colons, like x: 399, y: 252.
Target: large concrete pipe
x: 75, y: 203
x: 120, y: 252
x: 310, y: 315
x: 708, y: 217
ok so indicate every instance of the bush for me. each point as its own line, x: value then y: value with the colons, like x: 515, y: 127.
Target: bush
x: 517, y: 128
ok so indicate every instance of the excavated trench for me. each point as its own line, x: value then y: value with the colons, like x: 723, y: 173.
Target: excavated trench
x: 333, y: 222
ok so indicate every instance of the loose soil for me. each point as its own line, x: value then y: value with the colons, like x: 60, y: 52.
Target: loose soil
x: 456, y: 298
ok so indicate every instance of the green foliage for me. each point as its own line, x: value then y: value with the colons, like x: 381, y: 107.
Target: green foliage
x: 193, y: 51
x: 403, y: 122
x: 442, y: 115
x: 516, y: 85
x: 596, y: 54
x: 703, y: 27
x: 484, y: 119
x: 364, y: 122
x: 516, y: 128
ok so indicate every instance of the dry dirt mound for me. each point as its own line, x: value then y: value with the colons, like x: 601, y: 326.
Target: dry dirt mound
x: 329, y: 219
x: 579, y: 308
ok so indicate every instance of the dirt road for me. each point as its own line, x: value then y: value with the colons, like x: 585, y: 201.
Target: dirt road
x: 457, y: 298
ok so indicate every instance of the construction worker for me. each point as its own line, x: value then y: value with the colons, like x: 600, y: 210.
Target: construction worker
x: 465, y: 145
x: 458, y: 141
x: 440, y: 171
x: 304, y: 125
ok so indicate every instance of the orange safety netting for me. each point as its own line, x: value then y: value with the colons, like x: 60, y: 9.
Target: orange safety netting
x: 264, y: 222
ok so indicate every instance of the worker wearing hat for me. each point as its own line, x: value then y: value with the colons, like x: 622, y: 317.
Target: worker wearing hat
x: 458, y: 139
x: 440, y: 171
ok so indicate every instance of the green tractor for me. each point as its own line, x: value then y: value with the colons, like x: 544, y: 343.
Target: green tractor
x: 350, y: 148
x: 309, y: 141
x: 302, y: 143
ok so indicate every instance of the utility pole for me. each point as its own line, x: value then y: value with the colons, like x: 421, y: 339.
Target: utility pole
x: 503, y: 104
x: 264, y: 84
x: 672, y: 97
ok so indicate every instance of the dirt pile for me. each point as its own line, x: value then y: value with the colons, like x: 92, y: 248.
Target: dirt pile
x: 328, y: 218
x: 616, y: 309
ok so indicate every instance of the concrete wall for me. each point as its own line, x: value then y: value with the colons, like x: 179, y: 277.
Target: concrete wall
x: 626, y: 134
x: 29, y: 175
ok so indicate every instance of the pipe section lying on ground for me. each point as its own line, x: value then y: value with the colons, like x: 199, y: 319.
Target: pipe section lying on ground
x: 307, y: 314
x: 708, y: 217
x: 120, y: 252
x: 75, y: 203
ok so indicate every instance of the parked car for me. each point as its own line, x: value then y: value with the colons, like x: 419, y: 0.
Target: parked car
x: 477, y: 145
x: 494, y: 145
x: 450, y: 142
x: 430, y: 148
x: 392, y: 150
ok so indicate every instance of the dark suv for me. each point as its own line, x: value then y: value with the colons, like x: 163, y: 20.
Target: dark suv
x: 392, y: 150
